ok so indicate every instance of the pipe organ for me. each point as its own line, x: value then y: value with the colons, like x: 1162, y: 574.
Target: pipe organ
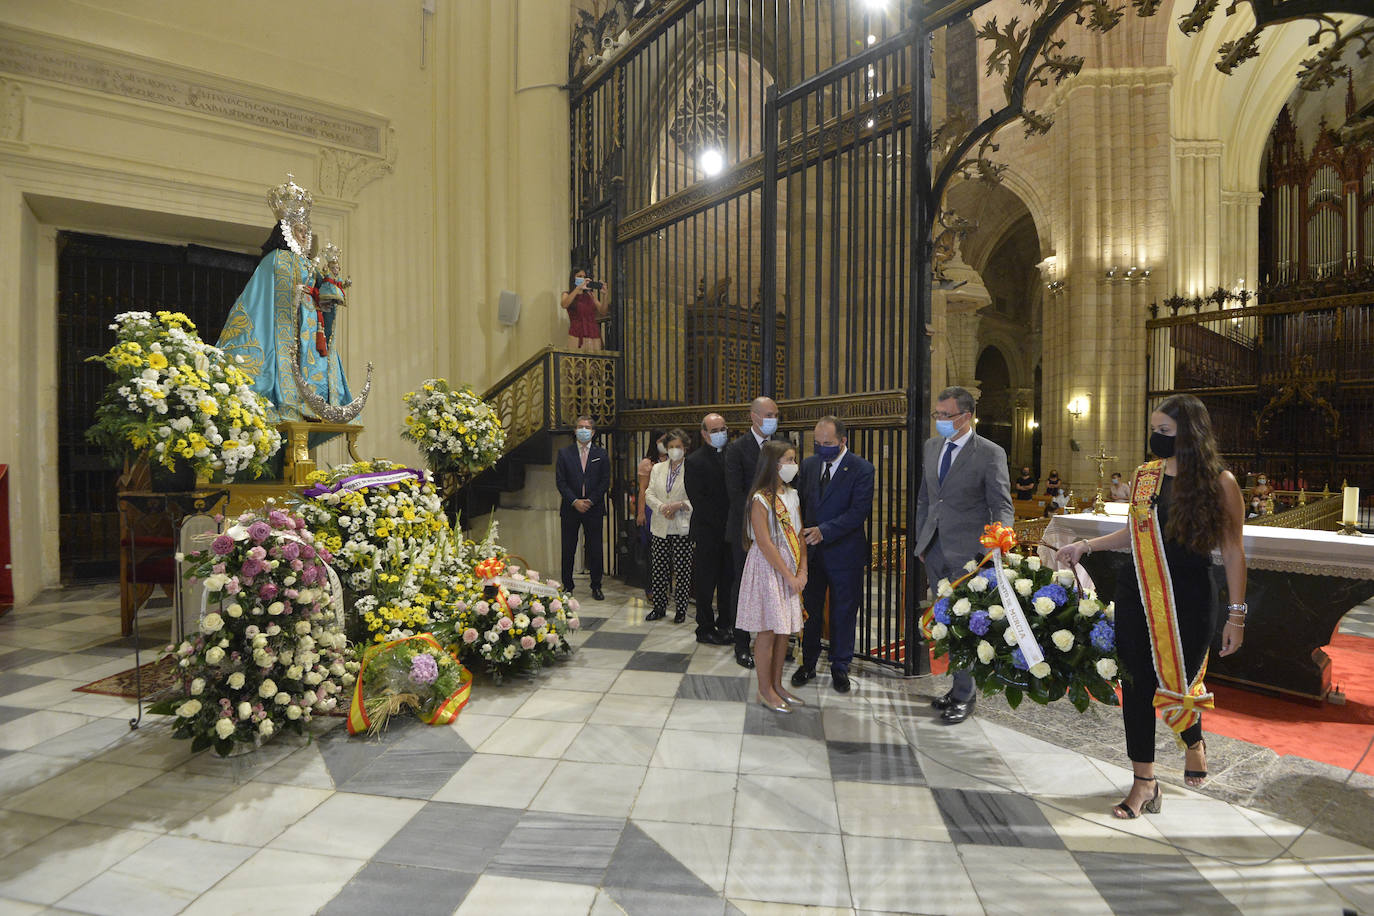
x: 1317, y: 218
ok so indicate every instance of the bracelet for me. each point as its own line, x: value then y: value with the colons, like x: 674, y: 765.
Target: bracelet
x: 1084, y: 542
x: 1231, y: 622
x: 1240, y: 608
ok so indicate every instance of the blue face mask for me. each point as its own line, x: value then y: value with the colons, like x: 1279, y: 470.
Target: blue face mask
x: 583, y: 434
x: 718, y: 439
x: 768, y: 425
x: 945, y: 428
x: 828, y: 453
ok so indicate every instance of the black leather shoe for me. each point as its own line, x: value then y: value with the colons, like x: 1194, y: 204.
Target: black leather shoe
x: 725, y: 636
x: 841, y: 681
x: 958, y: 712
x: 944, y: 702
x: 655, y: 615
x: 598, y: 594
x: 744, y: 658
x: 680, y: 617
x: 802, y: 676
x: 714, y: 638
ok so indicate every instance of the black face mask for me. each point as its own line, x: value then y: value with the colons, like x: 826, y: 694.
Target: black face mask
x: 1161, y: 445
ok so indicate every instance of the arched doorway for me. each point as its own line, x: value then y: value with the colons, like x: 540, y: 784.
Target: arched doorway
x: 996, y: 408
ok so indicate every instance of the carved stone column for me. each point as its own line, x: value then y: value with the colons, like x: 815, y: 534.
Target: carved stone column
x: 954, y: 352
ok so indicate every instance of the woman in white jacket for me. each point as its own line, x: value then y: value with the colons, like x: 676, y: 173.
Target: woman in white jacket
x: 670, y: 555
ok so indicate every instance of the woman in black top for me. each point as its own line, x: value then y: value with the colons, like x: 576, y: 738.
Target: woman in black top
x: 1052, y: 484
x: 1025, y: 485
x: 1199, y: 508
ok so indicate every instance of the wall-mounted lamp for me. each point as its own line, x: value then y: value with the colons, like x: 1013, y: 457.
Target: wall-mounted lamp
x: 1138, y: 273
x: 1078, y: 407
x: 1033, y: 424
x: 1055, y: 286
x: 1111, y: 273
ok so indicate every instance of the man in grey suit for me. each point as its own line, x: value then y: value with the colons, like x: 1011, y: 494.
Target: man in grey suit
x: 964, y: 487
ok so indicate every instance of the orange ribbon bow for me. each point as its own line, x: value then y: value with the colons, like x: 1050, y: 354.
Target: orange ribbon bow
x: 998, y: 535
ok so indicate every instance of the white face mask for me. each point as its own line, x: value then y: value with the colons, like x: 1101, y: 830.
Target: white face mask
x: 674, y: 454
x: 787, y: 472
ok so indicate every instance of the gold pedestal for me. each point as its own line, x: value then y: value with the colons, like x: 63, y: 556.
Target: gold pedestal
x: 298, y: 463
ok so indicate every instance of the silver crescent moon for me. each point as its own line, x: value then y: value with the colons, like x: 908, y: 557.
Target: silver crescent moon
x: 343, y: 413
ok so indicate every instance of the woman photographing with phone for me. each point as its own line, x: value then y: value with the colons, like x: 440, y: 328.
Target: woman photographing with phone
x: 585, y: 302
x: 1183, y: 506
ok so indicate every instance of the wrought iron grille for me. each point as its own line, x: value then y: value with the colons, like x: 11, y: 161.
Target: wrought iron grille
x: 98, y: 278
x: 741, y: 175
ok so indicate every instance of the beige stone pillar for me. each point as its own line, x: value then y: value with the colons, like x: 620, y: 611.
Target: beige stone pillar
x: 1112, y: 210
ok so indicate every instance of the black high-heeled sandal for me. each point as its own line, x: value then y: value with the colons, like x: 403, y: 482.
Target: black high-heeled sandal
x: 1151, y: 806
x: 1199, y: 775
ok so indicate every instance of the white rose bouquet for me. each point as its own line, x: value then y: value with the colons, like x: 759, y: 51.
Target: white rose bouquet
x: 1076, y: 633
x: 270, y: 656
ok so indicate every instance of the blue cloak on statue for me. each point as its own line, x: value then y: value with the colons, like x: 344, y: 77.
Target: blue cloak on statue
x: 259, y: 329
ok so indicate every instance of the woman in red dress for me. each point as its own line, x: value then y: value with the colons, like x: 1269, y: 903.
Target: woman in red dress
x: 584, y: 305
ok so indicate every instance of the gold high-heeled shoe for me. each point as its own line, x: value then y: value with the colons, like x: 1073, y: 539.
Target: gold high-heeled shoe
x: 767, y: 705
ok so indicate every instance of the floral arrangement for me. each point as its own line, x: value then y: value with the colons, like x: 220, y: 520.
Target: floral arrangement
x: 270, y: 655
x: 413, y: 673
x: 1075, y: 631
x: 391, y: 545
x: 407, y: 572
x: 515, y: 625
x: 456, y: 430
x: 178, y: 399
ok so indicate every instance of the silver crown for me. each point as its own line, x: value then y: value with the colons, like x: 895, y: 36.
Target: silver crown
x: 290, y: 201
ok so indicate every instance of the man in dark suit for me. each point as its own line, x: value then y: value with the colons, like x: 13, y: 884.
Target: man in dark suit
x: 583, y: 475
x: 712, y: 564
x: 836, y: 498
x: 964, y: 487
x: 741, y: 462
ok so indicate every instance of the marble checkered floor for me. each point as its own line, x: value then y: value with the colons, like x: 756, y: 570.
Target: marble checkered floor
x: 636, y: 778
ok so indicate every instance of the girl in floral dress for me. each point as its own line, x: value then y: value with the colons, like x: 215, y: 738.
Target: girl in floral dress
x: 774, y: 571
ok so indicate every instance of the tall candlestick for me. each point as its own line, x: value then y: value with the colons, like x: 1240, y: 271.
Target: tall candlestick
x: 1350, y: 508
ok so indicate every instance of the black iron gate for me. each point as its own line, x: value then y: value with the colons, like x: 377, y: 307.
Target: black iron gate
x: 742, y: 173
x: 98, y: 278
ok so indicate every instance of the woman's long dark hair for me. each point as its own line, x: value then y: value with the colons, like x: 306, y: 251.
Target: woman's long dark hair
x: 652, y: 451
x: 766, y: 478
x: 1197, y: 518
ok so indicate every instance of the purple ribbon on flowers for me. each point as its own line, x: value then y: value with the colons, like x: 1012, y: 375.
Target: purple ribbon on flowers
x: 364, y: 481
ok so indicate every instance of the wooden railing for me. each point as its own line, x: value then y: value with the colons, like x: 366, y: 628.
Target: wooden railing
x: 550, y: 390
x: 1321, y: 514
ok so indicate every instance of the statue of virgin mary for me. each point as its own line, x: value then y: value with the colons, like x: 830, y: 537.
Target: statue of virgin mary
x: 281, y: 328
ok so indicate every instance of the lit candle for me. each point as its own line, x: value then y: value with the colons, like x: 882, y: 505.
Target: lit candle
x: 1350, y: 510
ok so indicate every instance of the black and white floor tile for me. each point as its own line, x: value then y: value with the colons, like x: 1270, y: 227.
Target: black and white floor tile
x: 637, y: 778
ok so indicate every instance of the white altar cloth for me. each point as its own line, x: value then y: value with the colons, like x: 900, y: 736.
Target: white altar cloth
x: 1296, y: 550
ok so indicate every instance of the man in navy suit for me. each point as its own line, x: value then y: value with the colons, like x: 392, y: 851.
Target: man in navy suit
x: 836, y: 498
x: 583, y: 475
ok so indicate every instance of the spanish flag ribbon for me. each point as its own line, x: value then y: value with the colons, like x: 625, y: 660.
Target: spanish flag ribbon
x: 444, y: 713
x: 1180, y: 703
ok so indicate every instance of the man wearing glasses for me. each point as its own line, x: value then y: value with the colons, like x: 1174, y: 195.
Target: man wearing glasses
x: 964, y: 487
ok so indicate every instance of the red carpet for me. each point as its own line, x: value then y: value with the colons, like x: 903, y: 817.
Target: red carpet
x: 1331, y: 734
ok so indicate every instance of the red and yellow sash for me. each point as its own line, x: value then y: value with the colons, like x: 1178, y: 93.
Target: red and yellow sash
x: 1179, y: 702
x: 790, y: 533
x: 443, y: 713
